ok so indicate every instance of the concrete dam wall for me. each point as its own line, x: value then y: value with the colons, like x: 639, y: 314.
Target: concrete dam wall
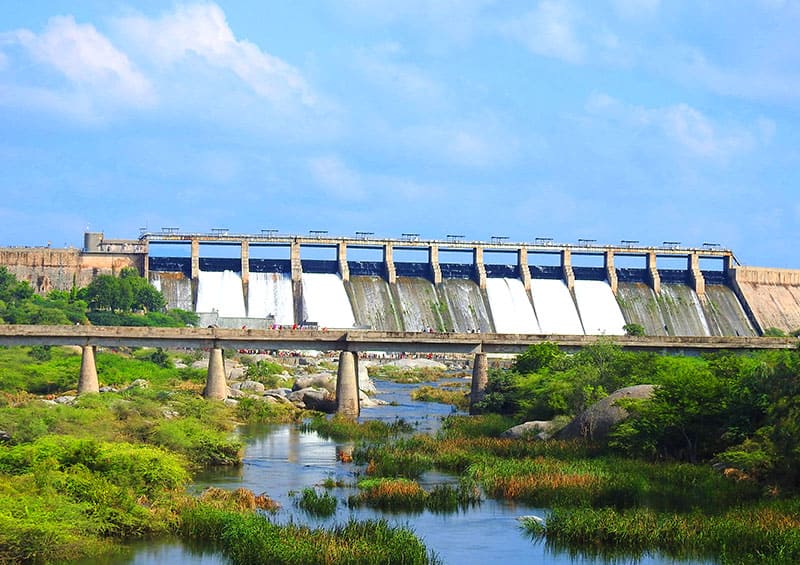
x: 525, y: 295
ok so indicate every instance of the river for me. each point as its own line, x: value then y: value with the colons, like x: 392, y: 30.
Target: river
x: 279, y: 459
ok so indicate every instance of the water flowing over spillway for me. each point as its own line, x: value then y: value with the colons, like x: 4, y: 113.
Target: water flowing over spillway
x: 325, y: 301
x: 373, y: 305
x: 175, y: 287
x: 639, y: 306
x: 466, y: 306
x: 598, y: 308
x: 221, y: 292
x: 271, y: 294
x: 681, y: 310
x: 512, y: 311
x: 555, y: 308
x: 421, y: 308
x: 724, y: 313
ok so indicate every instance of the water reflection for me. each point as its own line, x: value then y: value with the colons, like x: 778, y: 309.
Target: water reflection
x: 282, y: 459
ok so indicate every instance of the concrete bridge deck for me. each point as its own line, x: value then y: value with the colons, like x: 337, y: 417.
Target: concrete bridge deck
x: 361, y: 340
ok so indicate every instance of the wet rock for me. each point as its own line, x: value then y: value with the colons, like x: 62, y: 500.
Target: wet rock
x: 595, y: 422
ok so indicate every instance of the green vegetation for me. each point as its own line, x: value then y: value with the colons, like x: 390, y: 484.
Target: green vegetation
x: 317, y: 503
x: 406, y: 495
x: 127, y: 300
x: 633, y: 329
x: 406, y: 374
x: 342, y: 427
x: 458, y: 397
x: 251, y: 538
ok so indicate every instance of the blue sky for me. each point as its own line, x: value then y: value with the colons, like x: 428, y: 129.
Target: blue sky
x: 619, y: 119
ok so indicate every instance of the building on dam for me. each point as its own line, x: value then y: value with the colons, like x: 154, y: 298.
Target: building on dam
x: 411, y: 284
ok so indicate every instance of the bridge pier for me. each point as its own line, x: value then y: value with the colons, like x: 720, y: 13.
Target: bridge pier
x: 216, y: 385
x: 347, y: 403
x: 480, y: 376
x: 88, y: 383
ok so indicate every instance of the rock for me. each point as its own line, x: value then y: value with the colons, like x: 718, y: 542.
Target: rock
x: 316, y: 380
x: 236, y: 374
x: 5, y: 437
x: 201, y: 364
x: 108, y: 389
x: 66, y: 400
x: 235, y: 393
x: 538, y: 429
x: 230, y: 402
x: 169, y: 414
x: 314, y: 399
x: 365, y: 383
x: 138, y: 383
x: 595, y: 422
x: 180, y: 365
x: 417, y: 364
x: 253, y: 386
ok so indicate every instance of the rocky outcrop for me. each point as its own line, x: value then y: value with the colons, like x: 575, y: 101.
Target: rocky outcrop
x: 595, y: 422
x: 536, y: 429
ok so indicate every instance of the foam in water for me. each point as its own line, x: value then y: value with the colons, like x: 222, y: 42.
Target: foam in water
x: 555, y: 309
x: 271, y: 294
x: 221, y: 292
x: 325, y: 301
x: 512, y: 312
x: 598, y: 308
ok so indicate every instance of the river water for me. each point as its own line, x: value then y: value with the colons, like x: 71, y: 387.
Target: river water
x: 280, y: 459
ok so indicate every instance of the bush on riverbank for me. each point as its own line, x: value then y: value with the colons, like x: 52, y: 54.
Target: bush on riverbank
x: 458, y: 397
x: 406, y: 374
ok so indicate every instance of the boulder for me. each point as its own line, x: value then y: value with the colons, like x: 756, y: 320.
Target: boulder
x: 236, y: 374
x: 316, y: 380
x: 417, y: 364
x: 537, y: 429
x: 251, y: 386
x: 235, y: 393
x: 595, y: 422
x: 5, y: 437
x: 200, y: 364
x: 313, y: 399
x: 67, y: 400
x: 138, y: 383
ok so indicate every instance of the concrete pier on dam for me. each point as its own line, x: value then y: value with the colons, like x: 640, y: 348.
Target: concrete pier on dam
x: 410, y: 285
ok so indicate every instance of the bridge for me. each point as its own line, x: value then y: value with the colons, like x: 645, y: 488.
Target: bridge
x: 349, y: 343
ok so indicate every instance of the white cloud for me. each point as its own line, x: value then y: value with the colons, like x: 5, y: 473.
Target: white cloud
x: 680, y: 123
x: 405, y: 79
x: 99, y: 74
x: 549, y: 30
x: 635, y: 9
x: 333, y: 175
x: 201, y: 30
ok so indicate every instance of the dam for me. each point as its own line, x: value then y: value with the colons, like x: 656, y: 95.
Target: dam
x: 412, y: 285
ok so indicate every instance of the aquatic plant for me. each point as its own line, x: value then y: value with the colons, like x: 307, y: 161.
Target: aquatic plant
x: 315, y: 503
x: 252, y: 538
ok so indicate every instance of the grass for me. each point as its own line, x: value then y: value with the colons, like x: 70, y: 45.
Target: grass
x: 764, y: 533
x: 339, y: 427
x: 406, y: 374
x: 315, y: 503
x: 457, y: 398
x: 252, y: 538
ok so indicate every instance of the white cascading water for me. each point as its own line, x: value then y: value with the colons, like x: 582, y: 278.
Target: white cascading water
x: 512, y: 312
x: 555, y: 308
x: 271, y: 294
x: 325, y: 301
x: 599, y: 310
x: 221, y: 292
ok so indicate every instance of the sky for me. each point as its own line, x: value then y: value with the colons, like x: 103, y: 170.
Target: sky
x: 609, y: 120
